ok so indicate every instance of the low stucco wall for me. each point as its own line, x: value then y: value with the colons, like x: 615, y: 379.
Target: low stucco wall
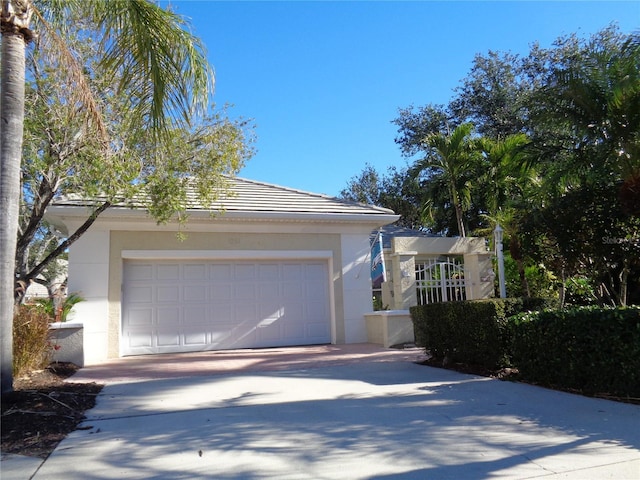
x: 389, y: 327
x: 67, y: 341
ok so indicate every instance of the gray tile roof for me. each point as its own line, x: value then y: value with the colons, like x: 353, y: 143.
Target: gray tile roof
x: 249, y: 195
x: 244, y: 196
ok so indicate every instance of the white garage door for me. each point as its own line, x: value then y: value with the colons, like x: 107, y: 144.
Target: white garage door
x: 182, y: 306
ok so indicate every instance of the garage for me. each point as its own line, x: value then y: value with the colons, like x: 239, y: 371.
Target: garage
x: 261, y: 266
x: 195, y: 305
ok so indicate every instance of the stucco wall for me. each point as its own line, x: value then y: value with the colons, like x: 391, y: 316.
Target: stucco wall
x: 89, y: 276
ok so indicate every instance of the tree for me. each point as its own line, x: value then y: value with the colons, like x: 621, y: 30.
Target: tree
x: 451, y: 158
x: 364, y: 188
x: 592, y: 237
x: 493, y: 95
x: 415, y: 124
x: 160, y: 67
x: 395, y: 190
x: 505, y: 187
x: 586, y: 124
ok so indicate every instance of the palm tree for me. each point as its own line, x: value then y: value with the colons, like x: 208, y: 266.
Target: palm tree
x: 507, y: 179
x: 159, y: 63
x: 452, y: 158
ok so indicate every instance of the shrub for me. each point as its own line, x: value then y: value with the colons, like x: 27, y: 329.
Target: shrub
x: 31, y: 346
x: 58, y: 311
x: 590, y: 349
x: 473, y: 332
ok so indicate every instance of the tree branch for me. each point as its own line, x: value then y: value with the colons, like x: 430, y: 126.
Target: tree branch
x: 64, y: 245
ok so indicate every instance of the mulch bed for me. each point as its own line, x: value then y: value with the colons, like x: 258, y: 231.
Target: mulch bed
x: 43, y: 409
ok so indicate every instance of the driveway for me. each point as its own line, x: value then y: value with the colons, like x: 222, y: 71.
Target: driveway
x: 375, y: 415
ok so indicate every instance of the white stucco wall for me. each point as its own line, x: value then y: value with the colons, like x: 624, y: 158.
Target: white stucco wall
x: 89, y: 276
x: 356, y: 281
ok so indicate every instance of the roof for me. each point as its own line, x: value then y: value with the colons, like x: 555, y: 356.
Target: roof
x: 243, y: 198
x: 250, y: 195
x: 392, y: 231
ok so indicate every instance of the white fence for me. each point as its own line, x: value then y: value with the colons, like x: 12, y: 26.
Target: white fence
x: 440, y: 280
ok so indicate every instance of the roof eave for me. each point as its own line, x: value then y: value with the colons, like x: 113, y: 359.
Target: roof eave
x: 115, y: 213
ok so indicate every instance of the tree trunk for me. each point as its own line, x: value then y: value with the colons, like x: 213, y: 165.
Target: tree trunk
x: 14, y: 28
x: 458, y: 209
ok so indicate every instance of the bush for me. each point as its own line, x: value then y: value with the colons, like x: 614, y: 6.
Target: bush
x: 590, y: 349
x: 474, y: 331
x: 58, y: 309
x: 31, y: 347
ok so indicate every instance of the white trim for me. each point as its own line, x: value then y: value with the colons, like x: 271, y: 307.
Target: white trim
x: 68, y: 212
x: 227, y: 254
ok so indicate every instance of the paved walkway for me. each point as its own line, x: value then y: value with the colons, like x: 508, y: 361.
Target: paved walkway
x: 365, y: 413
x: 178, y: 365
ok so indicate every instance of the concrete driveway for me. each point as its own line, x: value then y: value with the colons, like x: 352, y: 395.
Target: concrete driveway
x: 377, y: 416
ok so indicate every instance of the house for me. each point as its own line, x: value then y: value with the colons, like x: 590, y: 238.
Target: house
x: 276, y: 267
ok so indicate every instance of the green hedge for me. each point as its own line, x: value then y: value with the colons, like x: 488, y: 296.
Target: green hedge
x: 590, y: 349
x: 474, y: 331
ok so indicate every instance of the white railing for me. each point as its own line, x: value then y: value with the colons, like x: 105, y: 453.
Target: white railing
x: 440, y: 280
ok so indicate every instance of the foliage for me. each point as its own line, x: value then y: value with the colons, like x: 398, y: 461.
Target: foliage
x: 58, y: 309
x: 450, y: 158
x: 473, y: 331
x: 63, y: 155
x: 31, y: 347
x: 493, y: 95
x: 395, y: 190
x: 149, y: 84
x: 590, y: 349
x: 593, y: 236
x: 558, y: 133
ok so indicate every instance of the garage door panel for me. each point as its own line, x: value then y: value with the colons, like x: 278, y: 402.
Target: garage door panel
x: 167, y: 337
x: 317, y: 330
x: 245, y: 314
x: 221, y: 272
x: 139, y: 340
x: 292, y: 332
x: 195, y: 272
x: 196, y: 338
x: 245, y: 272
x: 268, y: 272
x: 293, y: 290
x: 268, y: 291
x: 139, y: 272
x: 269, y: 330
x: 196, y: 293
x: 221, y: 291
x: 315, y: 312
x: 168, y: 294
x: 245, y: 291
x: 292, y: 272
x: 166, y: 272
x: 222, y: 314
x: 270, y: 310
x: 141, y: 317
x: 139, y: 294
x: 219, y: 334
x: 172, y: 306
x: 168, y: 316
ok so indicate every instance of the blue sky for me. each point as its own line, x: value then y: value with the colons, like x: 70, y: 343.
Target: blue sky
x: 324, y: 80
